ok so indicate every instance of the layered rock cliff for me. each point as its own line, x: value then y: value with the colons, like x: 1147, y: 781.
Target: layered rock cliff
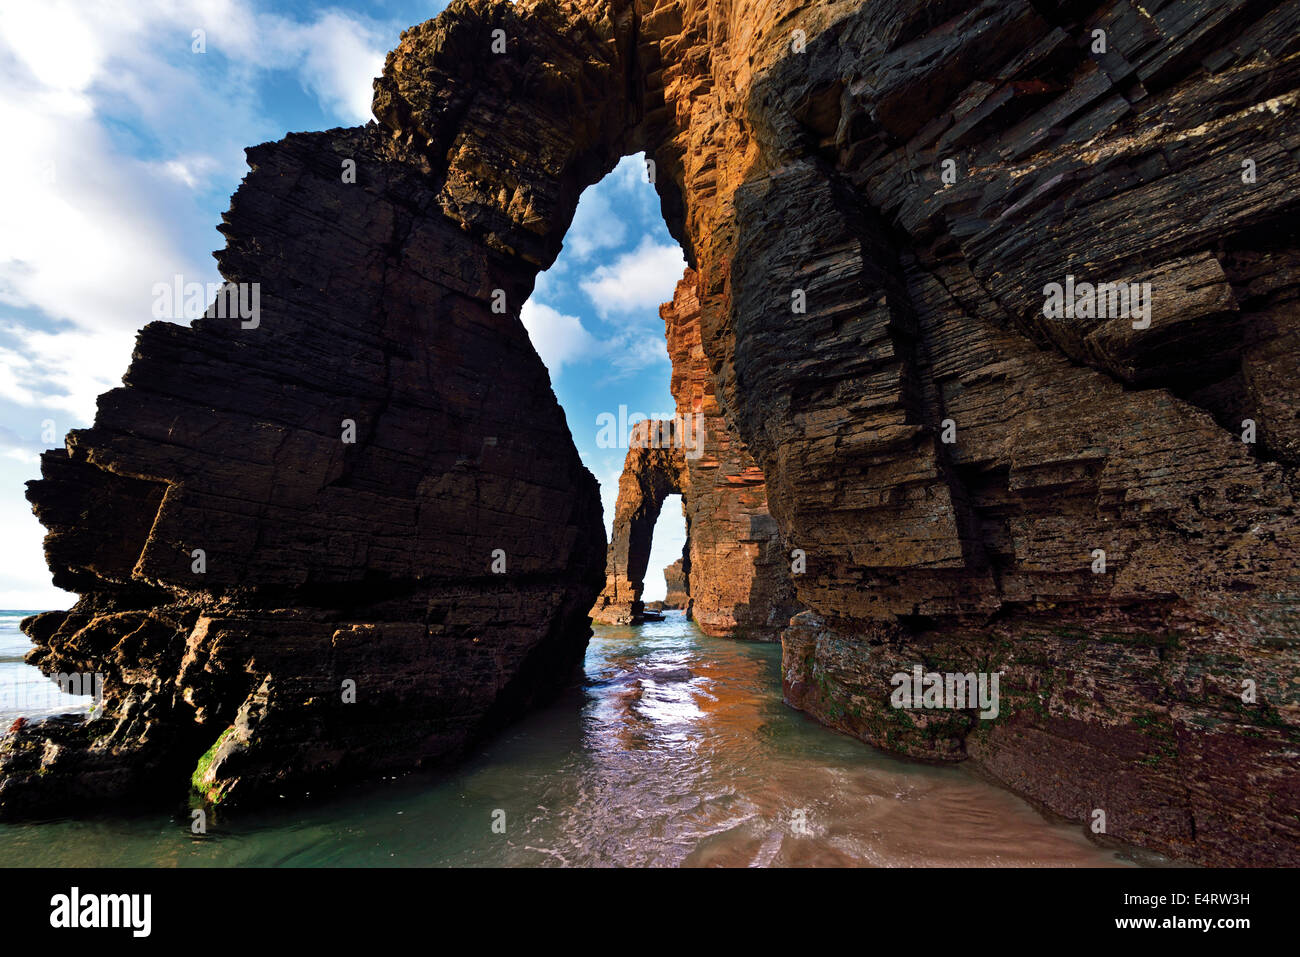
x: 740, y: 569
x: 878, y: 197
x: 875, y: 200
x: 676, y: 587
x: 351, y: 533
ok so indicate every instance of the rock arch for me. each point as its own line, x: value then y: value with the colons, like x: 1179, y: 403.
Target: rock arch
x: 350, y: 534
x: 654, y: 469
x: 735, y: 565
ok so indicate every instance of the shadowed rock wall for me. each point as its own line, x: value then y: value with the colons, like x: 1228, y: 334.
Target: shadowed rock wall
x: 857, y: 306
x: 351, y: 535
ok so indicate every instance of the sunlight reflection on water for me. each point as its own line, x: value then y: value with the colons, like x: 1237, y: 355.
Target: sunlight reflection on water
x: 675, y: 750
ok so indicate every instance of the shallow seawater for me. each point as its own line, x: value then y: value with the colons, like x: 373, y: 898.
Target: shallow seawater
x: 675, y: 749
x: 24, y: 691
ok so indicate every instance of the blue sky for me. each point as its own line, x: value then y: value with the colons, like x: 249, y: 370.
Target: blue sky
x: 125, y: 145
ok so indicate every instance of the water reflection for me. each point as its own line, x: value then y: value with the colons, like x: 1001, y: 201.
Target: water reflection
x: 674, y: 750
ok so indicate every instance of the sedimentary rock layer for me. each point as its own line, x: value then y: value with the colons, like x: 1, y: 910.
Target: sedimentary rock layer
x: 876, y: 198
x: 740, y: 570
x: 677, y: 589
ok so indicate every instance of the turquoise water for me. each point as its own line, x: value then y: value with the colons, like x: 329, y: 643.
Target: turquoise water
x: 674, y: 749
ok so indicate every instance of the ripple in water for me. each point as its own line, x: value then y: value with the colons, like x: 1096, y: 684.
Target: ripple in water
x: 675, y: 750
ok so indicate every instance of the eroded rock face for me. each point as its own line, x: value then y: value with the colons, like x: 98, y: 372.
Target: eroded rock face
x: 861, y: 300
x: 677, y: 592
x: 320, y: 608
x: 854, y: 303
x: 740, y: 570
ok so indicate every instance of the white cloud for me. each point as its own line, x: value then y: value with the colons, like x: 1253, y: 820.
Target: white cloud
x: 561, y: 340
x: 191, y: 171
x: 595, y: 225
x: 126, y: 138
x: 12, y: 446
x: 86, y: 229
x: 24, y: 579
x: 636, y: 282
x: 57, y: 45
x: 631, y: 176
x: 558, y: 338
x: 341, y: 58
x: 64, y: 370
x: 607, y: 209
x: 634, y: 352
x: 84, y: 233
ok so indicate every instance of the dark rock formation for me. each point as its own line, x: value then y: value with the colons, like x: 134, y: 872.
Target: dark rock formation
x: 677, y: 594
x: 346, y: 607
x: 875, y: 199
x: 655, y: 468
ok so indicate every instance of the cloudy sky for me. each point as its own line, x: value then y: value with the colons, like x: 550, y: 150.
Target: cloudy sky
x: 123, y: 147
